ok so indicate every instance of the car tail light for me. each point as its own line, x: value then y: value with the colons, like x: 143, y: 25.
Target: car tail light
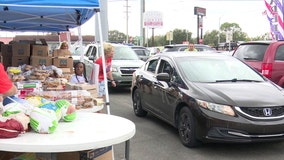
x: 266, y: 69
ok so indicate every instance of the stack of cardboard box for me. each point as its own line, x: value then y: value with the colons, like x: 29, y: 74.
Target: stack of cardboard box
x: 15, y: 54
x: 62, y: 58
x: 19, y: 53
x: 6, y: 53
x: 40, y: 56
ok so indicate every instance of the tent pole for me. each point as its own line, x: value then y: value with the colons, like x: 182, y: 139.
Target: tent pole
x: 69, y: 39
x: 81, y: 44
x: 59, y: 38
x: 104, y: 66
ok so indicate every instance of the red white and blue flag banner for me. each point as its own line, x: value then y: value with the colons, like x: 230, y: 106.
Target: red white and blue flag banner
x: 274, y: 14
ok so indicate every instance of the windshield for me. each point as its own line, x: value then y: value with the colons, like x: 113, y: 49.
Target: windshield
x: 216, y: 69
x: 77, y: 51
x: 124, y: 53
x: 251, y: 52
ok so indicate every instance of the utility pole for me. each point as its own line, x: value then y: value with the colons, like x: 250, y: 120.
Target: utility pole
x: 127, y: 36
x: 219, y: 30
x: 142, y: 29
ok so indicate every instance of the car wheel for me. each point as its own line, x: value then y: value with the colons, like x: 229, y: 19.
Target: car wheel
x: 186, y: 128
x: 137, y: 107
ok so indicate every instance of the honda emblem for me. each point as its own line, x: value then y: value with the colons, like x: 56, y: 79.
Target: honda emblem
x: 267, y: 112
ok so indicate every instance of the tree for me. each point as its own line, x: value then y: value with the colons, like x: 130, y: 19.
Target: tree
x: 116, y: 36
x: 211, y: 38
x: 160, y: 40
x: 235, y: 30
x: 180, y: 36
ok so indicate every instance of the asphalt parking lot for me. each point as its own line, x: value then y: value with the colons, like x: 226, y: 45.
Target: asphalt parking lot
x: 156, y: 140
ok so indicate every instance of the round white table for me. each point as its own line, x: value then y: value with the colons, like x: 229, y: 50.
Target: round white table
x: 87, y: 131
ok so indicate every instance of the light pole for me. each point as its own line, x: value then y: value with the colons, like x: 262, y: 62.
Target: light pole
x: 219, y: 29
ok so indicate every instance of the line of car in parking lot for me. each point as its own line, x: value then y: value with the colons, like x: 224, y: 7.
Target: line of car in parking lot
x: 207, y: 96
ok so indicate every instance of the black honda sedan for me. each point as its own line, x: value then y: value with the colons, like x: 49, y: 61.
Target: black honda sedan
x: 209, y: 97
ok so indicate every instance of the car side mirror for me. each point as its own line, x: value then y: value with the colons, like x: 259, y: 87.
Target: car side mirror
x: 163, y: 77
x: 91, y: 58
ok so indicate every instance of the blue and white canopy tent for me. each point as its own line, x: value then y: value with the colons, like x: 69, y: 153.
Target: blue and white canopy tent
x: 45, y: 15
x: 49, y: 16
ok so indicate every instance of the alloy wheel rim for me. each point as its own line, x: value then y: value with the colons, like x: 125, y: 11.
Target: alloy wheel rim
x: 185, y: 130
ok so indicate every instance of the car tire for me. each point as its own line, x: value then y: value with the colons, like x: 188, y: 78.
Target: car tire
x: 186, y: 128
x: 137, y: 106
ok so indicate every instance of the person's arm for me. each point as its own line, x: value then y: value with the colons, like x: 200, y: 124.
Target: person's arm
x: 109, y: 76
x: 12, y: 91
x: 7, y: 88
x: 109, y: 72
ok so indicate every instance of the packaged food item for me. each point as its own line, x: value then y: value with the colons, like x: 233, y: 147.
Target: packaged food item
x: 50, y: 105
x: 75, y: 97
x: 10, y: 128
x: 43, y: 120
x: 68, y: 110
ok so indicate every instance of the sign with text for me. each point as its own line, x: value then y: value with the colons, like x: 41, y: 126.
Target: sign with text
x: 199, y: 11
x: 153, y: 19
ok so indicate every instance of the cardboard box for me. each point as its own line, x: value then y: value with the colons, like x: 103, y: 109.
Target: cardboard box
x: 58, y: 88
x: 91, y: 88
x: 104, y: 153
x: 66, y: 70
x: 80, y: 86
x: 21, y: 49
x: 85, y: 86
x: 94, y: 93
x: 7, y: 61
x: 4, y: 155
x: 61, y: 53
x: 70, y: 86
x: 6, y: 49
x: 28, y: 41
x: 38, y: 60
x: 40, y: 50
x: 63, y: 62
x: 20, y: 60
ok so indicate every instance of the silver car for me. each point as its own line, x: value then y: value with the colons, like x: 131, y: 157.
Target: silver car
x: 125, y: 61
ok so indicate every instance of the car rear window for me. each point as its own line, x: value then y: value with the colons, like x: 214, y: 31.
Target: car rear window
x: 280, y: 54
x: 173, y: 49
x: 124, y: 53
x: 251, y: 52
x: 140, y: 52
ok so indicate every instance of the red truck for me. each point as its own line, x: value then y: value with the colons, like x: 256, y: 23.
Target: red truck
x: 267, y: 57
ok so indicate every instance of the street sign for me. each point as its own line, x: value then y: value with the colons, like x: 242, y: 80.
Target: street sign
x: 153, y: 19
x: 169, y: 36
x: 199, y: 11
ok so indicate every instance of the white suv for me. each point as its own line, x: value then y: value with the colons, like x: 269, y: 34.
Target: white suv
x: 124, y: 62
